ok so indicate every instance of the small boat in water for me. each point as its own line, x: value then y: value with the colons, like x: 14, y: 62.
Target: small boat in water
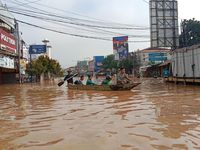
x: 124, y: 87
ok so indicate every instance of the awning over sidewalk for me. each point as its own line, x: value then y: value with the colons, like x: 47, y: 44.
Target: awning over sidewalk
x: 165, y: 63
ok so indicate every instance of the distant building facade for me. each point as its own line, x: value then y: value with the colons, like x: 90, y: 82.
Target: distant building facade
x: 9, y: 57
x: 91, y: 66
x: 82, y: 66
x: 154, y: 56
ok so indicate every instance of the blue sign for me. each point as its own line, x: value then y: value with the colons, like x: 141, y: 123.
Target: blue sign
x: 98, y: 60
x: 37, y: 49
x: 157, y: 57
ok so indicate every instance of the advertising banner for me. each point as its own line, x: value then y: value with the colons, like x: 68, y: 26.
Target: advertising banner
x: 98, y: 60
x: 7, y: 62
x: 120, y: 47
x: 23, y: 64
x: 37, y: 49
x: 7, y: 41
x: 25, y: 52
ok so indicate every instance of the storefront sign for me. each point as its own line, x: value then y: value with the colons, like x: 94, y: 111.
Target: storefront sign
x: 7, y: 62
x: 7, y: 41
x: 157, y: 57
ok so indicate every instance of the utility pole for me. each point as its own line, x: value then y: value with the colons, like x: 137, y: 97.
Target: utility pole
x: 18, y: 48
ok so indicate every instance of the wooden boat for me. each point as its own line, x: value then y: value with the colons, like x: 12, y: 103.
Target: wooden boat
x: 124, y: 87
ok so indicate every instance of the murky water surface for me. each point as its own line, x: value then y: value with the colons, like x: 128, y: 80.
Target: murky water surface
x: 152, y: 116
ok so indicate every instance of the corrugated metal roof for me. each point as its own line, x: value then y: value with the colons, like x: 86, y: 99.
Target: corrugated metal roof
x: 148, y: 50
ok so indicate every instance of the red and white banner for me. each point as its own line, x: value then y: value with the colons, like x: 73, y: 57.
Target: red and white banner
x: 7, y: 41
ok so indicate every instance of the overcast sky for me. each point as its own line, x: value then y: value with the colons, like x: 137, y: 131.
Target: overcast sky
x: 69, y: 49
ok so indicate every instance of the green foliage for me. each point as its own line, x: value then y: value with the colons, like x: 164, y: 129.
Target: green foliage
x: 131, y: 62
x: 44, y: 65
x: 110, y: 62
x: 127, y: 64
x: 190, y: 34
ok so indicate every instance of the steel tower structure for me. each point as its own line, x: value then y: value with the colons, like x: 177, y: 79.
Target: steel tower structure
x: 164, y: 23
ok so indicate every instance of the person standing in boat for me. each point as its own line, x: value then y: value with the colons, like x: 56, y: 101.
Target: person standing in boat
x: 89, y: 81
x: 80, y: 81
x: 69, y: 77
x: 122, y: 77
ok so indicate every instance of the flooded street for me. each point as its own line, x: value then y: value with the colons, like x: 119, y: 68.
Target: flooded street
x: 152, y: 116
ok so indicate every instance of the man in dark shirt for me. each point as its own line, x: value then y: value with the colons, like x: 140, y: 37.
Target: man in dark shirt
x: 69, y: 75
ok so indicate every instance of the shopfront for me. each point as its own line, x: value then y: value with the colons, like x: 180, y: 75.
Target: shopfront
x: 8, y: 58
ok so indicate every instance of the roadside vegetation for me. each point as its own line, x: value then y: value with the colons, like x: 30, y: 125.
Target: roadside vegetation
x: 44, y: 68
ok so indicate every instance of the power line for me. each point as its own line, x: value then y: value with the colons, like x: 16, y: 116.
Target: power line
x: 79, y: 24
x: 56, y: 21
x: 78, y: 14
x: 29, y: 2
x: 78, y: 19
x: 105, y: 31
x: 102, y: 30
x: 61, y: 32
x: 82, y: 36
x: 95, y: 27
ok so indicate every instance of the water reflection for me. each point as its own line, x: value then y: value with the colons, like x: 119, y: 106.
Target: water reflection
x: 154, y: 115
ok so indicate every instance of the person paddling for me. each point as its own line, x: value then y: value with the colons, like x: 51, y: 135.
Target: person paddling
x: 69, y: 76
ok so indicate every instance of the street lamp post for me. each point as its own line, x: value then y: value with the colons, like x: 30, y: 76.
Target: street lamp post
x: 48, y: 47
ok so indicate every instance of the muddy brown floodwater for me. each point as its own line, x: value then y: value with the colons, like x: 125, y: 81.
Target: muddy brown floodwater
x: 153, y: 116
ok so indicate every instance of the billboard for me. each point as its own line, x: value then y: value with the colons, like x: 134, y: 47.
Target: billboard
x: 120, y: 47
x: 7, y: 41
x: 37, y: 49
x: 24, y: 52
x: 98, y: 62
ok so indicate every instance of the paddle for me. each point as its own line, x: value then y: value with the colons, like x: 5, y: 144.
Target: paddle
x: 62, y: 82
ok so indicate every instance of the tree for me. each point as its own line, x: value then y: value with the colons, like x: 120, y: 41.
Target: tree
x: 109, y: 62
x: 135, y: 61
x: 44, y: 66
x: 127, y: 64
x: 190, y: 34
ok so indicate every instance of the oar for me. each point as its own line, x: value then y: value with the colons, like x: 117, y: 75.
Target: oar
x: 62, y: 82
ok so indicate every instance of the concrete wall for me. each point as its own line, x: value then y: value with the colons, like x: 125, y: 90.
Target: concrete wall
x: 186, y: 62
